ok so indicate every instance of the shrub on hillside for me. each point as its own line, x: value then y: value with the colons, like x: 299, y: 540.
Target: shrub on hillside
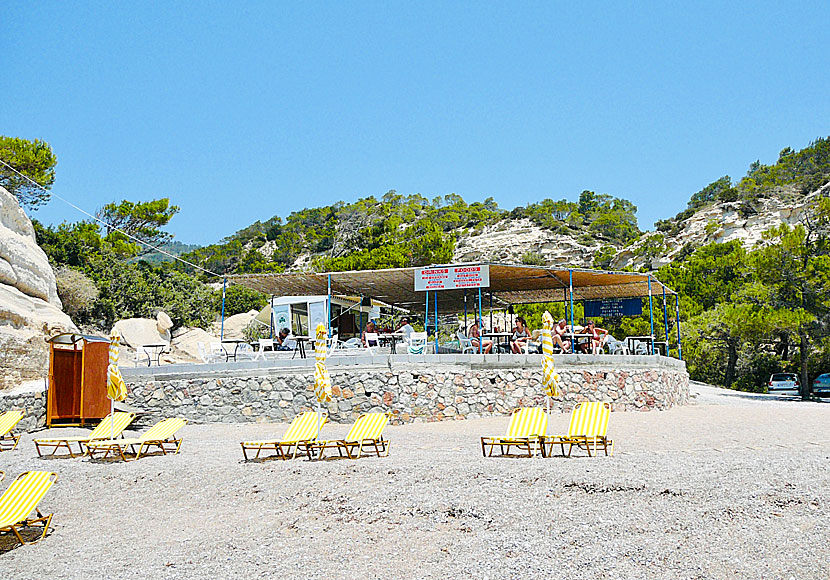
x: 77, y: 292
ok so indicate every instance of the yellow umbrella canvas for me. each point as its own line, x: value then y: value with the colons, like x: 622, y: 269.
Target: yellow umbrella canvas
x: 550, y: 378
x: 116, y: 389
x: 322, y: 380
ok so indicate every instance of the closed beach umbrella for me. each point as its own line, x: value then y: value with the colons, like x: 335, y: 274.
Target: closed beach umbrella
x: 116, y: 389
x: 322, y: 380
x: 550, y: 378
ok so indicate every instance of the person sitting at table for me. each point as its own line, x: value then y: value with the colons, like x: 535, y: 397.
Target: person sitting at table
x: 371, y: 328
x: 281, y: 340
x: 560, y: 331
x: 405, y: 329
x: 598, y: 336
x: 521, y: 335
x: 475, y: 337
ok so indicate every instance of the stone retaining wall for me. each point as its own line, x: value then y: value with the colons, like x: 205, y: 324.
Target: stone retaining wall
x: 428, y: 388
x: 412, y: 392
x: 33, y: 401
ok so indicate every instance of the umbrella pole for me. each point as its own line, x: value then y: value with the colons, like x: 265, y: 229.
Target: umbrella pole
x: 112, y: 418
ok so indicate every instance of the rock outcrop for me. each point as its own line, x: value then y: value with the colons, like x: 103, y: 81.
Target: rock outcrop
x: 30, y: 310
x: 509, y: 241
x: 720, y: 222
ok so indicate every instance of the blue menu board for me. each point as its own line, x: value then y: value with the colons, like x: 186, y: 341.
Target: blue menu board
x: 615, y: 308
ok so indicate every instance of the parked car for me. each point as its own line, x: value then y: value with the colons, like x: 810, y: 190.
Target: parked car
x: 821, y: 385
x: 784, y: 384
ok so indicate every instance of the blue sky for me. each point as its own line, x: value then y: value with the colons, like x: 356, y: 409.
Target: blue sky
x: 242, y: 111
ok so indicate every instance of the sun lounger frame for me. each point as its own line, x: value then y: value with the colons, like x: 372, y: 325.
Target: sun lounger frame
x: 593, y: 431
x: 283, y: 448
x: 530, y: 442
x: 346, y: 447
x: 8, y: 440
x: 61, y: 442
x: 117, y: 448
x: 28, y: 522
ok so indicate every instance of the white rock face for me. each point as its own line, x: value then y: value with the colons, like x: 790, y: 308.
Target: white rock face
x: 30, y: 310
x: 509, y: 240
x: 234, y: 325
x: 720, y: 222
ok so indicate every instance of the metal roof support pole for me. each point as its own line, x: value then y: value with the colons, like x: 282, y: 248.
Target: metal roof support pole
x: 677, y: 319
x: 360, y: 320
x: 272, y: 316
x: 480, y: 340
x: 651, y: 313
x: 222, y: 328
x: 465, y: 312
x: 426, y: 316
x: 328, y: 307
x: 435, y: 350
x: 666, y: 320
x: 491, y: 311
x: 571, y: 294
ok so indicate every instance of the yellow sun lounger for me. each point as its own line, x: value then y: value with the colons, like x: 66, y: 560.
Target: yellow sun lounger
x: 21, y: 499
x: 304, y: 427
x: 526, y: 426
x: 109, y: 427
x: 161, y: 435
x: 8, y: 421
x: 587, y: 429
x: 366, y: 435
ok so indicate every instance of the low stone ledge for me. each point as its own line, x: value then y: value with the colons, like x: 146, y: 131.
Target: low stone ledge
x: 455, y: 388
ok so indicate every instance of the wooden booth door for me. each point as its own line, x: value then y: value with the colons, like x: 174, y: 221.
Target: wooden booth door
x: 65, y: 384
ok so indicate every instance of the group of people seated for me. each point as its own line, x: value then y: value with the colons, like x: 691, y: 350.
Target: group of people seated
x: 562, y: 338
x: 521, y: 340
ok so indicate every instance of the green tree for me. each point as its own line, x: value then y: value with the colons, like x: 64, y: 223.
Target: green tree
x: 794, y: 268
x: 142, y: 220
x: 35, y: 160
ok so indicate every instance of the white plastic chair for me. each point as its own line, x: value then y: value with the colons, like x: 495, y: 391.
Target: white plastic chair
x: 264, y: 343
x: 465, y: 343
x: 417, y: 343
x: 245, y: 351
x: 370, y: 338
x: 217, y: 351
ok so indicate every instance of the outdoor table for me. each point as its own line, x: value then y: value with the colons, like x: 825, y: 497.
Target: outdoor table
x: 576, y: 339
x: 301, y: 340
x: 235, y: 343
x: 496, y: 336
x: 632, y: 341
x: 391, y: 338
x: 157, y: 350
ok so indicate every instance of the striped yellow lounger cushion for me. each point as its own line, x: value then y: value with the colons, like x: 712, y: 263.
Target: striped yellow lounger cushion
x: 304, y: 427
x: 22, y: 498
x: 589, y: 420
x: 111, y: 425
x: 368, y: 426
x: 526, y: 425
x: 365, y: 435
x: 8, y: 421
x: 159, y: 434
x: 587, y: 429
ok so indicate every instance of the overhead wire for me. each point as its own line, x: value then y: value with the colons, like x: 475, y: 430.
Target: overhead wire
x: 111, y: 227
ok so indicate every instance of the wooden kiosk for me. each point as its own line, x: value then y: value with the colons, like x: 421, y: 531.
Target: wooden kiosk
x: 77, y: 379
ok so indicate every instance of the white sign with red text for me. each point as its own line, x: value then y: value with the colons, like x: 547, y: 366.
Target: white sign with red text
x: 452, y: 277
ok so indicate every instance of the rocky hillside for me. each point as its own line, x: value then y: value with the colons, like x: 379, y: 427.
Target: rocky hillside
x: 30, y: 309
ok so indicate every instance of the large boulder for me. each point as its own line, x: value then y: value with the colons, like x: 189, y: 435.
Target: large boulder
x: 30, y: 310
x: 137, y: 332
x: 235, y: 325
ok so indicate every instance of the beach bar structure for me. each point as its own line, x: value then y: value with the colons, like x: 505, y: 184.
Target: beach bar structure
x: 77, y: 379
x: 447, y: 288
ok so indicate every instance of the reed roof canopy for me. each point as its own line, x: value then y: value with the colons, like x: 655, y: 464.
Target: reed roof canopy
x: 509, y: 284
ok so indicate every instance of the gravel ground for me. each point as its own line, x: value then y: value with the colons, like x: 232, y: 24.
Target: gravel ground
x: 733, y: 486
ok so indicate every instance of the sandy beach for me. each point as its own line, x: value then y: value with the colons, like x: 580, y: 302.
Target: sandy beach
x: 734, y: 485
